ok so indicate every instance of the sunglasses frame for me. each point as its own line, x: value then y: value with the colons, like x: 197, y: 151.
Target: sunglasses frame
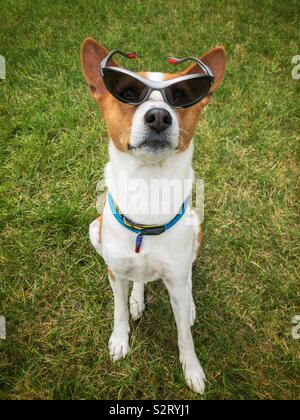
x: 157, y: 86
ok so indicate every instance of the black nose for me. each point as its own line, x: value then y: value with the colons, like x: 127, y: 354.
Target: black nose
x: 158, y: 119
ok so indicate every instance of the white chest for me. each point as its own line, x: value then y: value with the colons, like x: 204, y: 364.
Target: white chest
x: 160, y: 256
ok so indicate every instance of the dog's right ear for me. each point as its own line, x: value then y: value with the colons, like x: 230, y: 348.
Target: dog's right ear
x: 91, y: 55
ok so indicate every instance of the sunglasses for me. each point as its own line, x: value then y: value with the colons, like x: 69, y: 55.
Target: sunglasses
x: 133, y: 89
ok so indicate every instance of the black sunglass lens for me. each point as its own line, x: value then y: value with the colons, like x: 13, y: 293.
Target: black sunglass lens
x: 124, y: 87
x: 188, y: 92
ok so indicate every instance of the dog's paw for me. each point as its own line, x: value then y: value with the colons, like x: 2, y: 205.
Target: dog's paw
x: 118, y: 346
x: 193, y: 314
x: 137, y: 307
x: 194, y: 375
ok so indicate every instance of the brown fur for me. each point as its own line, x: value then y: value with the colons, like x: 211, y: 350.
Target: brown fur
x: 118, y: 117
x: 111, y: 275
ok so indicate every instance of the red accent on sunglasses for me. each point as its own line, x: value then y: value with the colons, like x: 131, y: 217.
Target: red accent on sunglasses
x: 131, y: 55
x: 172, y: 60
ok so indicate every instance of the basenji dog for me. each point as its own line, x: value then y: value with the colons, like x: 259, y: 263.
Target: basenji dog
x: 142, y: 234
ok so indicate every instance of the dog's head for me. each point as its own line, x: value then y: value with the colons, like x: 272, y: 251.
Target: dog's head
x: 152, y: 130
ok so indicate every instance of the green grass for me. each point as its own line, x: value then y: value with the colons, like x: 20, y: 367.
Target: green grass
x: 54, y: 291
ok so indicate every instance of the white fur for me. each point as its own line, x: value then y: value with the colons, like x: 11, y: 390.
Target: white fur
x: 168, y: 256
x: 140, y: 130
x: 155, y: 76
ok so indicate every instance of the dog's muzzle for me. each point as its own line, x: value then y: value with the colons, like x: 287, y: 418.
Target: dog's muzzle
x: 155, y: 129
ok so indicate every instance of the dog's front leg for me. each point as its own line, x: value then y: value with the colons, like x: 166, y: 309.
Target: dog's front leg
x: 180, y: 294
x: 137, y: 300
x: 119, y: 340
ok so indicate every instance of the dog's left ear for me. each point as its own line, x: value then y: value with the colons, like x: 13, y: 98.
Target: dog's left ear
x: 216, y: 60
x: 92, y: 53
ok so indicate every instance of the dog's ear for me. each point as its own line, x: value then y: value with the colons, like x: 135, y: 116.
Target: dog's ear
x: 216, y: 60
x: 92, y: 53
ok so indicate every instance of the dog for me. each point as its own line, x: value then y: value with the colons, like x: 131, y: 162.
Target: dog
x: 151, y: 119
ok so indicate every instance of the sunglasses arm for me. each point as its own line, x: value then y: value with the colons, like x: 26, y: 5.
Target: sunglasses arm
x: 105, y: 61
x: 200, y: 63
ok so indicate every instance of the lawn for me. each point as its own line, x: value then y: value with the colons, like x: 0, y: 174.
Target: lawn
x: 54, y: 291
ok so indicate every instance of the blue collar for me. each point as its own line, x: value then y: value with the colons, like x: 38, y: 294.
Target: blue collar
x: 142, y: 230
